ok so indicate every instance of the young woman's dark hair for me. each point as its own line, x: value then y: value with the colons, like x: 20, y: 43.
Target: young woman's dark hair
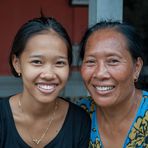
x: 134, y: 40
x: 35, y: 26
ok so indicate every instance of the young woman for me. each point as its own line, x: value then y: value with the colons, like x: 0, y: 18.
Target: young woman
x: 112, y: 59
x: 37, y: 117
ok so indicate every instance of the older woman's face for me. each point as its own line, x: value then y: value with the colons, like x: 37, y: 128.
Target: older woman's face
x: 108, y: 70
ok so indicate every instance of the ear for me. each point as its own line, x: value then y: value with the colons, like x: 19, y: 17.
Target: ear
x: 16, y: 64
x: 138, y: 67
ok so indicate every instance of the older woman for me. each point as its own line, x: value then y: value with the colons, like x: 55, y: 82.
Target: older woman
x: 111, y: 54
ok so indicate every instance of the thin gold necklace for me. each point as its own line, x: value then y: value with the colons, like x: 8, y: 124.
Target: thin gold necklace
x: 38, y: 140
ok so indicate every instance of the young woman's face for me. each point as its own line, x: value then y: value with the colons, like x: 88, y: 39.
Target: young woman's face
x: 108, y: 69
x: 43, y: 66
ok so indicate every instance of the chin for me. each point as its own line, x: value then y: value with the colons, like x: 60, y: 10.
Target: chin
x: 104, y: 102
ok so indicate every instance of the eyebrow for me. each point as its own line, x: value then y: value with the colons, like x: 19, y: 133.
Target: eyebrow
x: 35, y: 56
x: 61, y: 57
x: 39, y: 56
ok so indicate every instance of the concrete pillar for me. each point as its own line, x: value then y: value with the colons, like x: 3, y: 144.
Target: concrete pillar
x: 105, y: 9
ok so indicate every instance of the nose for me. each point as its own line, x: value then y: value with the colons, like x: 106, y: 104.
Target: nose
x: 101, y: 71
x: 48, y: 73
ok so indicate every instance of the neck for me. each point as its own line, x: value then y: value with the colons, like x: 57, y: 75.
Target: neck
x: 121, y: 111
x: 36, y: 120
x: 34, y: 108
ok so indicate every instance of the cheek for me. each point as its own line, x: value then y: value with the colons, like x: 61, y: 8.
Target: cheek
x: 86, y: 73
x: 30, y: 73
x: 122, y: 74
x: 63, y: 74
x: 30, y: 76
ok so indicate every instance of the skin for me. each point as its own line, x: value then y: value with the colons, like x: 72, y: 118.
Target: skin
x: 44, y: 63
x: 44, y: 70
x: 108, y: 72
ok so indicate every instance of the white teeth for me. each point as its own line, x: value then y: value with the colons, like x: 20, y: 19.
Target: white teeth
x: 104, y: 88
x: 47, y: 87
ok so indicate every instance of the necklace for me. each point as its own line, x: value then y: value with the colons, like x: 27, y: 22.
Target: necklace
x: 38, y: 140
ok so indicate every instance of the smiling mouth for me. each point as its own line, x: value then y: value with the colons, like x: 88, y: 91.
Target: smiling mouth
x: 104, y: 88
x: 46, y: 88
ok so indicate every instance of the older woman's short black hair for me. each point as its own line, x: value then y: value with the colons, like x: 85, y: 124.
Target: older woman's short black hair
x: 134, y: 40
x: 33, y: 27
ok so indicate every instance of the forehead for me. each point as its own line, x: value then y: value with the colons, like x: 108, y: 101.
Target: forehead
x: 108, y: 38
x: 46, y: 43
x: 108, y: 42
x: 107, y: 34
x: 43, y: 38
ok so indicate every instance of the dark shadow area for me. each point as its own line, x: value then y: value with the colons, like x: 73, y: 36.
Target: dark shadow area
x: 136, y: 13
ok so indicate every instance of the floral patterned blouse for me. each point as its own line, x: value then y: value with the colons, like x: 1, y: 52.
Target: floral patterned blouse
x: 137, y: 135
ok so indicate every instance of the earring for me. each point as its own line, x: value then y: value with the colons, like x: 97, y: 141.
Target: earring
x: 136, y: 79
x: 19, y: 74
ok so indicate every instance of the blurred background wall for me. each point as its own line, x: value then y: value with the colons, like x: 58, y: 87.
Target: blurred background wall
x: 13, y: 13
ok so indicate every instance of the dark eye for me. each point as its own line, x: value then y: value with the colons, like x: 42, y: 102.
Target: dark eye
x: 61, y: 63
x: 113, y: 61
x: 89, y: 62
x: 36, y: 62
